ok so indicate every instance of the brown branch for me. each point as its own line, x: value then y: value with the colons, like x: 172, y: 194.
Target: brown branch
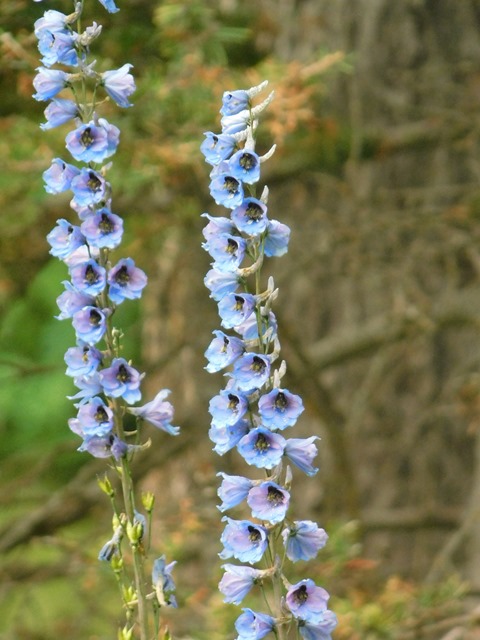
x: 455, y: 310
x: 77, y: 498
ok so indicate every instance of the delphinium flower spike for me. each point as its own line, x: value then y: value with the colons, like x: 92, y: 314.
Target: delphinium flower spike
x: 108, y: 384
x: 254, y: 412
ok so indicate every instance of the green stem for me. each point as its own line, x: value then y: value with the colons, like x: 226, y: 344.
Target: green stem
x: 127, y: 483
x: 137, y: 555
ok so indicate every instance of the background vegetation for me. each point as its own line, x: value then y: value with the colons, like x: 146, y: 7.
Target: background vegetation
x: 376, y: 120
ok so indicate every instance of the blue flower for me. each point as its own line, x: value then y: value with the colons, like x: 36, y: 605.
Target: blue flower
x: 237, y: 582
x: 104, y: 447
x: 262, y: 448
x: 52, y: 21
x: 228, y: 251
x: 163, y: 582
x: 82, y: 254
x: 320, y: 631
x: 279, y: 409
x: 92, y: 142
x: 88, y: 277
x: 58, y: 177
x: 236, y: 123
x: 251, y: 625
x: 217, y: 147
x: 220, y: 283
x: 302, y: 451
x: 109, y: 5
x: 307, y: 601
x: 89, y: 388
x: 235, y: 308
x: 245, y: 166
x: 95, y: 418
x: 251, y: 217
x: 228, y: 436
x: 243, y: 540
x: 157, y: 412
x: 57, y: 47
x: 119, y: 84
x: 82, y: 360
x: 268, y: 501
x: 303, y: 539
x: 249, y: 328
x: 121, y: 380
x: 125, y: 281
x: 103, y: 230
x: 89, y: 187
x: 277, y: 238
x: 111, y: 547
x: 58, y: 112
x: 234, y: 101
x: 64, y: 238
x: 49, y: 82
x: 225, y: 189
x: 251, y: 371
x: 227, y: 408
x: 216, y: 225
x: 222, y: 351
x: 71, y: 301
x: 90, y: 324
x: 233, y: 490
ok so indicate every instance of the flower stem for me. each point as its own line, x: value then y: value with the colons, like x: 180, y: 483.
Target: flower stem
x: 137, y: 555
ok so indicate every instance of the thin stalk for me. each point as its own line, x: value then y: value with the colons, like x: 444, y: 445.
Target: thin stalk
x: 137, y: 555
x: 127, y: 486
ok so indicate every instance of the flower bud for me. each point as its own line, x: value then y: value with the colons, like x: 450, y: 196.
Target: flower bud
x: 148, y: 500
x: 106, y: 486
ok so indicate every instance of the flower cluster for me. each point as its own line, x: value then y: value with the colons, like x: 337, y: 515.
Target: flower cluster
x: 108, y: 384
x: 254, y: 410
x: 96, y: 286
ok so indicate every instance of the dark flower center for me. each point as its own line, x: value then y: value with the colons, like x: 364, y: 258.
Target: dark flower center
x: 274, y: 496
x: 122, y: 277
x: 262, y: 444
x: 233, y: 402
x: 258, y: 365
x: 91, y: 276
x: 239, y: 302
x: 230, y: 184
x: 281, y: 402
x: 86, y: 350
x: 86, y: 138
x: 70, y: 230
x: 253, y: 534
x: 95, y: 317
x: 254, y: 211
x: 226, y: 342
x: 101, y: 415
x: 232, y: 246
x: 93, y: 182
x: 122, y: 374
x: 247, y: 161
x: 106, y: 225
x: 301, y: 594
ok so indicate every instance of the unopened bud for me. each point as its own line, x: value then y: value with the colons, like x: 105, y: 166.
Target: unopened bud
x: 148, y: 500
x: 106, y: 486
x: 125, y: 633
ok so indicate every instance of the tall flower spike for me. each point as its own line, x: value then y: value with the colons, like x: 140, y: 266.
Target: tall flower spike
x: 107, y: 384
x: 255, y: 411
